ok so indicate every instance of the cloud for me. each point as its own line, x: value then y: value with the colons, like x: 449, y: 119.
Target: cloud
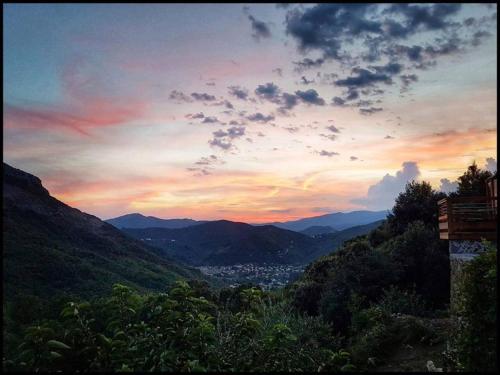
x: 288, y: 101
x: 370, y: 111
x: 333, y: 129
x: 491, y: 165
x: 278, y: 71
x: 292, y: 129
x: 310, y: 97
x: 308, y: 63
x: 359, y: 34
x: 328, y: 153
x: 331, y: 137
x: 260, y: 29
x: 383, y: 194
x: 209, y: 160
x: 202, y: 97
x: 210, y: 120
x: 306, y: 81
x: 220, y: 143
x: 447, y: 186
x: 363, y: 78
x: 268, y: 91
x: 388, y: 137
x: 259, y: 117
x: 232, y: 132
x: 179, y: 96
x: 407, y: 80
x: 238, y: 92
x: 198, y: 115
x: 353, y: 158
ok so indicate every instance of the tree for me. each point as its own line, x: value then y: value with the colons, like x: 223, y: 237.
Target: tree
x: 473, y: 181
x: 417, y: 202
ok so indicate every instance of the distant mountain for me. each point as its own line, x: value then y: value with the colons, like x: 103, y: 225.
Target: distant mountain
x: 338, y: 220
x: 225, y: 242
x: 51, y: 248
x: 330, y: 242
x: 317, y: 229
x: 140, y: 221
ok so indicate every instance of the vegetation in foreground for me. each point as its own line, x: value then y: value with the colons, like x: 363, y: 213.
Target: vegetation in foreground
x: 365, y: 307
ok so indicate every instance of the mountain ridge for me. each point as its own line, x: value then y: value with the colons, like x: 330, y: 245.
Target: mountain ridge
x: 50, y: 247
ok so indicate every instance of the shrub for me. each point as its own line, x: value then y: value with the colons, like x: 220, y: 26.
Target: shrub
x: 474, y: 340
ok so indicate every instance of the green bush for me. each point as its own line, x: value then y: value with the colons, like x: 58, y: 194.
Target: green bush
x: 474, y: 340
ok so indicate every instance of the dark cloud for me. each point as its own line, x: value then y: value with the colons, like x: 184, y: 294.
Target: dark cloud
x: 268, y: 91
x: 306, y: 81
x: 407, y: 80
x: 364, y: 77
x: 259, y: 117
x: 202, y: 97
x: 210, y: 120
x: 288, y: 101
x: 310, y: 97
x: 338, y: 101
x: 292, y: 129
x: 328, y: 153
x: 353, y: 158
x: 355, y: 34
x: 388, y: 137
x: 308, y: 63
x: 196, y: 115
x: 260, y: 29
x: 278, y: 71
x: 238, y: 92
x: 179, y: 96
x: 333, y: 129
x: 209, y: 160
x: 220, y: 143
x: 369, y: 111
x: 331, y: 137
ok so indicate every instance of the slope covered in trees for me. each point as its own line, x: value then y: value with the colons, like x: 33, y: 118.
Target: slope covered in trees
x: 50, y: 248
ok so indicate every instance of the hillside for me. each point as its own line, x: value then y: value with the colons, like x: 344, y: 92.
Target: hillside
x: 318, y: 229
x: 225, y: 242
x: 329, y: 242
x: 337, y: 220
x: 140, y: 221
x: 50, y: 247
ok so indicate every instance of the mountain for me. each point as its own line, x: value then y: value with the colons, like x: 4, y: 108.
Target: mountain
x: 225, y: 242
x: 337, y: 220
x: 51, y: 248
x: 317, y: 229
x: 140, y: 221
x: 329, y: 242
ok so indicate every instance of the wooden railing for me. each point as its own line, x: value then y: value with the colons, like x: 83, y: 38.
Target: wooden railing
x: 467, y: 218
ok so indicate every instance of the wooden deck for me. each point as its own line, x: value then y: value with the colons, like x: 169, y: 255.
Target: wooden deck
x: 468, y: 218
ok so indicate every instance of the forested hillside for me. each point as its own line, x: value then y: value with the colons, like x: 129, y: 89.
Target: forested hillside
x: 52, y: 249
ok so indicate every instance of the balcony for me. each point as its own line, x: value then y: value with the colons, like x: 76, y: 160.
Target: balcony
x: 469, y: 218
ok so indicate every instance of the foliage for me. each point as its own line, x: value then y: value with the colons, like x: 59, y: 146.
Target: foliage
x: 179, y: 331
x: 473, y: 181
x: 474, y: 340
x: 355, y: 269
x: 417, y: 202
x: 423, y: 263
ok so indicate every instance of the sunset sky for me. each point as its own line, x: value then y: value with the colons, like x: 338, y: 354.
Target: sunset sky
x: 251, y: 112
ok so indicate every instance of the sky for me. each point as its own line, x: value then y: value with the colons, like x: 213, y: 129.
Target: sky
x: 253, y: 113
